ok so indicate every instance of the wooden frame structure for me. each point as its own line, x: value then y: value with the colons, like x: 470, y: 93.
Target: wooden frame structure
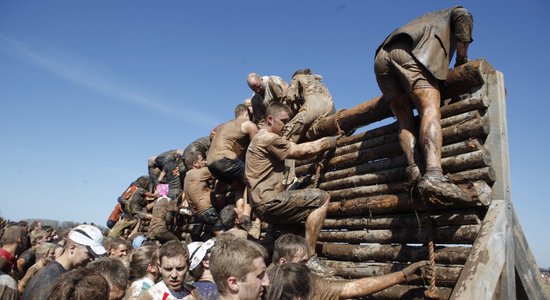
x: 375, y: 227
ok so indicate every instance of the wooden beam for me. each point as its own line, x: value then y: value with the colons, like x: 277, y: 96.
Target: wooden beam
x: 479, y: 277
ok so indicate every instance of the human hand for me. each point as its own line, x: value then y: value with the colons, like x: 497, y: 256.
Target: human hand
x: 331, y: 141
x: 416, y: 270
x: 460, y: 61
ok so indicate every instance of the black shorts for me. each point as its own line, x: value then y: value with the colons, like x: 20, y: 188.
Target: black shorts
x: 228, y: 170
x: 211, y: 218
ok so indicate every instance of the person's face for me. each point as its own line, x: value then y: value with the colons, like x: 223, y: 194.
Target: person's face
x: 120, y: 251
x: 255, y: 282
x: 277, y: 122
x: 299, y: 257
x: 50, y: 256
x: 174, y: 271
x: 58, y: 251
x: 257, y: 87
x: 82, y: 255
x: 200, y: 162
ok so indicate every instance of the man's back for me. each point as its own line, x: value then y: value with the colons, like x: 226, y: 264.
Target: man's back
x: 230, y: 142
x: 40, y: 285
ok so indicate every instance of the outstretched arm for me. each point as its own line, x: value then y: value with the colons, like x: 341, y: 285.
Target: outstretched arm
x: 305, y: 150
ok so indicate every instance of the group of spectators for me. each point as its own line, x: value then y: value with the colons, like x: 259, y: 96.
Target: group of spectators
x: 221, y: 188
x: 85, y: 264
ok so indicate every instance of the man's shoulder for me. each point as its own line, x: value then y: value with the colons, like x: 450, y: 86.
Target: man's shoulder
x: 264, y: 137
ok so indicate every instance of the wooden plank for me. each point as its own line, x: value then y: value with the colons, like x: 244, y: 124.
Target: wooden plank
x: 478, y: 279
x: 526, y: 266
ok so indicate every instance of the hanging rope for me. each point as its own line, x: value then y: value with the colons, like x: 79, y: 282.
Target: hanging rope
x: 321, y: 163
x: 431, y: 292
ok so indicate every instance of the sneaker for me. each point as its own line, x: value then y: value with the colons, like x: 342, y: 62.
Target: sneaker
x: 440, y: 190
x: 413, y: 174
x: 316, y: 267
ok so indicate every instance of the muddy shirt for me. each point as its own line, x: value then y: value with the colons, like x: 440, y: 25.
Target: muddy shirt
x: 158, y: 220
x: 230, y: 142
x: 275, y: 90
x: 137, y: 201
x: 433, y: 41
x: 265, y: 165
x: 326, y: 289
x: 200, y: 145
x: 197, y: 191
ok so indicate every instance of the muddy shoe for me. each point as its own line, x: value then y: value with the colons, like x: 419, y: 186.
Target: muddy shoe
x: 316, y: 267
x: 439, y: 190
x: 413, y: 174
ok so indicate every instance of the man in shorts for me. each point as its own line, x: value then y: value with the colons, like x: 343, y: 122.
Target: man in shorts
x: 408, y: 66
x: 264, y: 173
x: 226, y: 155
x: 200, y: 197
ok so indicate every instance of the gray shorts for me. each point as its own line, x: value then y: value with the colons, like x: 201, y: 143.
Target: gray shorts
x: 290, y: 207
x: 398, y: 72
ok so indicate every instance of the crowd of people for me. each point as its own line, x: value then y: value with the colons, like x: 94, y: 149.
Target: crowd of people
x: 201, y: 210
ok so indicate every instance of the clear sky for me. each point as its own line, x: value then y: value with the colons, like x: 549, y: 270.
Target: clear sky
x: 91, y: 89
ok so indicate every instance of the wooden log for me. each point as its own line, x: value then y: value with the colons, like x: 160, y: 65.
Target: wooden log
x: 357, y: 205
x: 389, y: 253
x: 468, y: 217
x: 460, y: 118
x: 465, y: 234
x: 486, y: 174
x: 377, y: 109
x: 469, y: 145
x: 463, y: 79
x: 466, y: 161
x: 445, y: 276
x: 459, y: 132
x: 366, y: 167
x: 408, y: 292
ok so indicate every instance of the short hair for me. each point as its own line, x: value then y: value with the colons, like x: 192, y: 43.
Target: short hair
x: 43, y: 249
x: 288, y: 245
x: 114, y: 243
x: 306, y: 71
x: 191, y: 158
x: 12, y: 234
x: 80, y: 284
x: 241, y: 108
x: 275, y: 108
x: 142, y: 181
x: 228, y: 215
x: 173, y: 248
x: 141, y: 258
x: 232, y: 257
x: 111, y: 269
x: 37, y: 235
x: 290, y: 281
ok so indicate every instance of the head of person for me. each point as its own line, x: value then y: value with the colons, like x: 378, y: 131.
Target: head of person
x: 142, y: 181
x: 84, y: 243
x: 248, y: 103
x: 39, y: 236
x: 228, y: 216
x: 80, y: 284
x: 306, y: 71
x: 14, y: 237
x: 114, y: 272
x: 241, y: 112
x: 290, y: 248
x: 199, y: 257
x: 117, y: 248
x: 291, y: 281
x: 195, y: 159
x: 255, y: 83
x: 145, y: 260
x: 174, y: 264
x: 238, y: 268
x: 45, y: 252
x: 277, y: 115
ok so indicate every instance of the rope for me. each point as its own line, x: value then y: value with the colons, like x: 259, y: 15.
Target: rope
x: 431, y: 292
x: 320, y: 165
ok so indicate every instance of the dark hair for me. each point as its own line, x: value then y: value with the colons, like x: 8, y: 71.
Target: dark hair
x: 241, y: 108
x: 275, y: 108
x: 306, y: 71
x: 228, y: 215
x: 192, y: 157
x: 112, y: 270
x: 173, y: 248
x: 80, y: 284
x: 290, y: 281
x: 142, y: 181
x: 287, y: 246
x: 141, y: 258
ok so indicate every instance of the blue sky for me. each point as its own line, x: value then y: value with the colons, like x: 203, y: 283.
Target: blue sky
x: 91, y: 89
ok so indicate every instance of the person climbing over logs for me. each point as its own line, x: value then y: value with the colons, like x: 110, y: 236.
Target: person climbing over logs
x: 409, y: 65
x: 267, y: 89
